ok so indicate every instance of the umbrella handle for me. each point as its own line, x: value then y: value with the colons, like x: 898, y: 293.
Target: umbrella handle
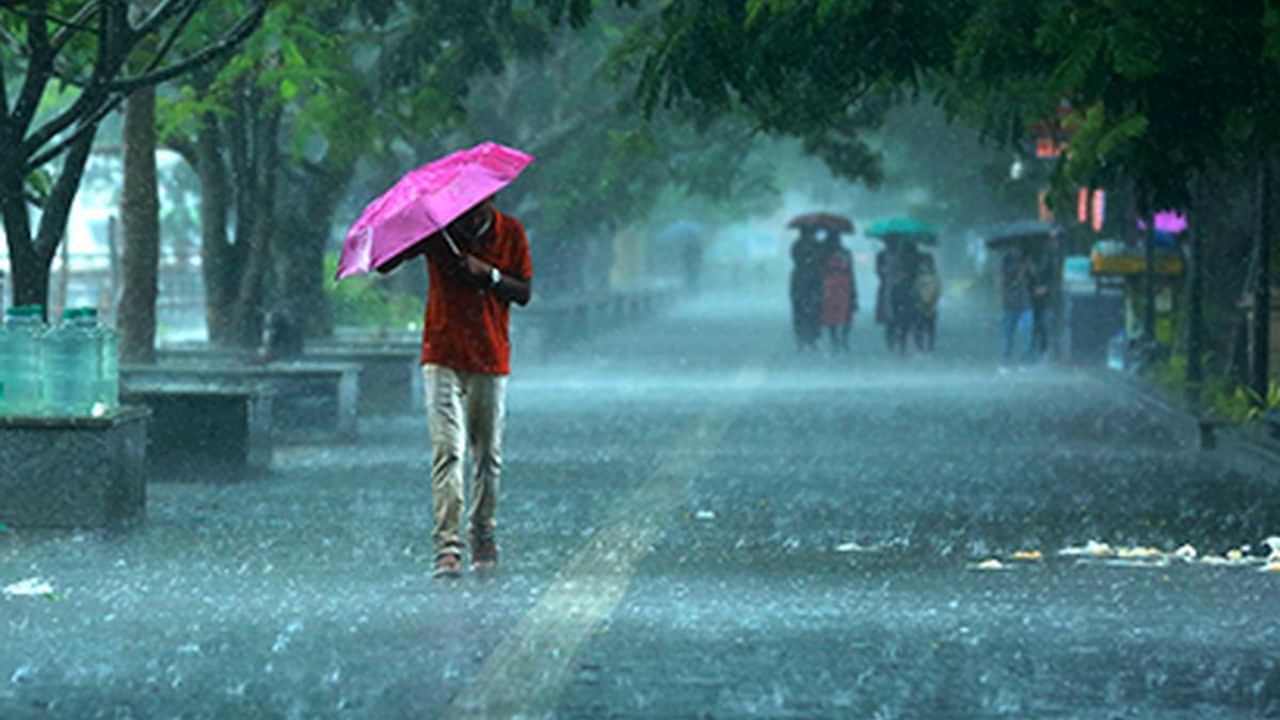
x: 449, y: 239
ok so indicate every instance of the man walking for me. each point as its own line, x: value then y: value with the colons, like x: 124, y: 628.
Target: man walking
x: 1016, y: 277
x: 478, y: 266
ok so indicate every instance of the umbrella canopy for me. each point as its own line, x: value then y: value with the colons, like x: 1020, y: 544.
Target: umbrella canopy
x: 425, y: 201
x: 1167, y: 221
x: 822, y: 220
x: 903, y: 228
x: 680, y: 231
x: 1022, y: 231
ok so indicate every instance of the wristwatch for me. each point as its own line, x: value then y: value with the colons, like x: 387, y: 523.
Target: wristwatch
x: 494, y: 277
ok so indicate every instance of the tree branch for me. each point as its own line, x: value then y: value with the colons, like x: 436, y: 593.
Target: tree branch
x: 88, y: 126
x: 91, y: 98
x: 74, y: 25
x: 59, y: 202
x: 101, y: 95
x: 4, y: 105
x: 173, y: 37
x: 164, y: 11
x: 185, y: 148
x: 38, y: 67
x: 241, y: 31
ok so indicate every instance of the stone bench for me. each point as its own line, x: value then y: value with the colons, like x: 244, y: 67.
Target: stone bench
x: 63, y: 472
x: 310, y: 401
x: 200, y: 432
x: 390, y: 375
x: 1272, y: 422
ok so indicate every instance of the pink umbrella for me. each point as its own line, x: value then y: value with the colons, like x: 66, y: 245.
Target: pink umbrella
x: 425, y: 201
x: 1167, y: 221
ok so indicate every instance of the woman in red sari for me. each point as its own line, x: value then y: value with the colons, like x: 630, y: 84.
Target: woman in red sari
x: 839, y: 291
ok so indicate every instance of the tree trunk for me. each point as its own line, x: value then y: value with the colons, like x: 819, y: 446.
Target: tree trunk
x: 1260, y: 379
x: 30, y: 275
x: 1195, y: 309
x: 31, y: 256
x: 220, y: 265
x: 302, y: 240
x: 1149, y: 281
x: 61, y: 288
x: 140, y: 213
x: 256, y: 188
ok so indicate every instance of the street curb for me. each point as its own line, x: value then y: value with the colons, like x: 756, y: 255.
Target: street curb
x: 1227, y: 437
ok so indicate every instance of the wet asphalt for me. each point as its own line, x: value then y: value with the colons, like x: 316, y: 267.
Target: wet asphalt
x: 696, y: 522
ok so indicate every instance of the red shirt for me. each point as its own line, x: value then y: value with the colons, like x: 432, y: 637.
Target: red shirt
x: 466, y: 326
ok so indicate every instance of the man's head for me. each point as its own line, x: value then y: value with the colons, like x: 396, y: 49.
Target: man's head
x: 474, y: 223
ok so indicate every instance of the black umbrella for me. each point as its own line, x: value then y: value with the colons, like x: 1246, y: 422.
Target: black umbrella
x: 1022, y: 232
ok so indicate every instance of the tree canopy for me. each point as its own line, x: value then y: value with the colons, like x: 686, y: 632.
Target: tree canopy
x: 93, y: 55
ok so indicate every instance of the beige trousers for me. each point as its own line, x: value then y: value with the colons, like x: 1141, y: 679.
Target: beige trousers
x: 464, y: 409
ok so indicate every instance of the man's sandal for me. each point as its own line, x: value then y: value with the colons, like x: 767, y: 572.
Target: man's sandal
x: 484, y: 554
x: 448, y: 565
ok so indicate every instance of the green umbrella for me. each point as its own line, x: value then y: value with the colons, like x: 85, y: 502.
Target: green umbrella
x: 905, y: 228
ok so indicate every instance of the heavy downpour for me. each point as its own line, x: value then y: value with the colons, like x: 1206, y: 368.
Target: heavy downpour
x: 588, y: 359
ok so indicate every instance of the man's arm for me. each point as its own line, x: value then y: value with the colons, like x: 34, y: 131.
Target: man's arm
x: 395, y: 262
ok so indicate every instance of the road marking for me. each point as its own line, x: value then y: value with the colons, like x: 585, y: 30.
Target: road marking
x: 525, y: 674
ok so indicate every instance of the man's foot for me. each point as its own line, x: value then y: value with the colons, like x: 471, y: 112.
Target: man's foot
x: 484, y: 554
x: 448, y: 565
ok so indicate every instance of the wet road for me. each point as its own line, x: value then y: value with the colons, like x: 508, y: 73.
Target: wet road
x: 696, y: 523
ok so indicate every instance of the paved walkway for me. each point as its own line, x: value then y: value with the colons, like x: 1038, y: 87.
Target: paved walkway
x: 697, y: 523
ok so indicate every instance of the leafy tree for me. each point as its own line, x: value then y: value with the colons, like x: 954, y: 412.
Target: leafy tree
x: 94, y: 54
x: 1164, y: 98
x: 602, y: 162
x: 825, y: 71
x: 279, y: 134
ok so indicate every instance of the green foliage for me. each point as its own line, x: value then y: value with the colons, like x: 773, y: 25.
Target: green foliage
x: 601, y: 163
x: 1161, y: 92
x: 369, y: 302
x: 1223, y: 398
x: 823, y: 71
x: 1242, y: 405
x: 1097, y: 139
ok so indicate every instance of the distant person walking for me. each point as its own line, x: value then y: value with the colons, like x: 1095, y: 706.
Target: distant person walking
x: 806, y: 288
x: 476, y: 271
x: 1016, y: 277
x: 903, y: 266
x: 1046, y: 286
x: 928, y: 290
x: 839, y: 291
x: 885, y: 271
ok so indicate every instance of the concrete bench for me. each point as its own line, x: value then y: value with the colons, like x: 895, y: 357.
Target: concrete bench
x: 311, y: 401
x: 1272, y: 422
x: 200, y: 432
x: 62, y: 472
x: 390, y: 375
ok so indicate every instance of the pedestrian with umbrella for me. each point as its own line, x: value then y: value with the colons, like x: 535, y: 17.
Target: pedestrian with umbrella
x: 807, y: 289
x: 839, y: 291
x: 478, y: 264
x: 898, y: 265
x: 1029, y: 283
x: 928, y: 291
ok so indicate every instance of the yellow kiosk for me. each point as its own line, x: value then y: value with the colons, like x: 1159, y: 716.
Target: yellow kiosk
x: 1115, y: 263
